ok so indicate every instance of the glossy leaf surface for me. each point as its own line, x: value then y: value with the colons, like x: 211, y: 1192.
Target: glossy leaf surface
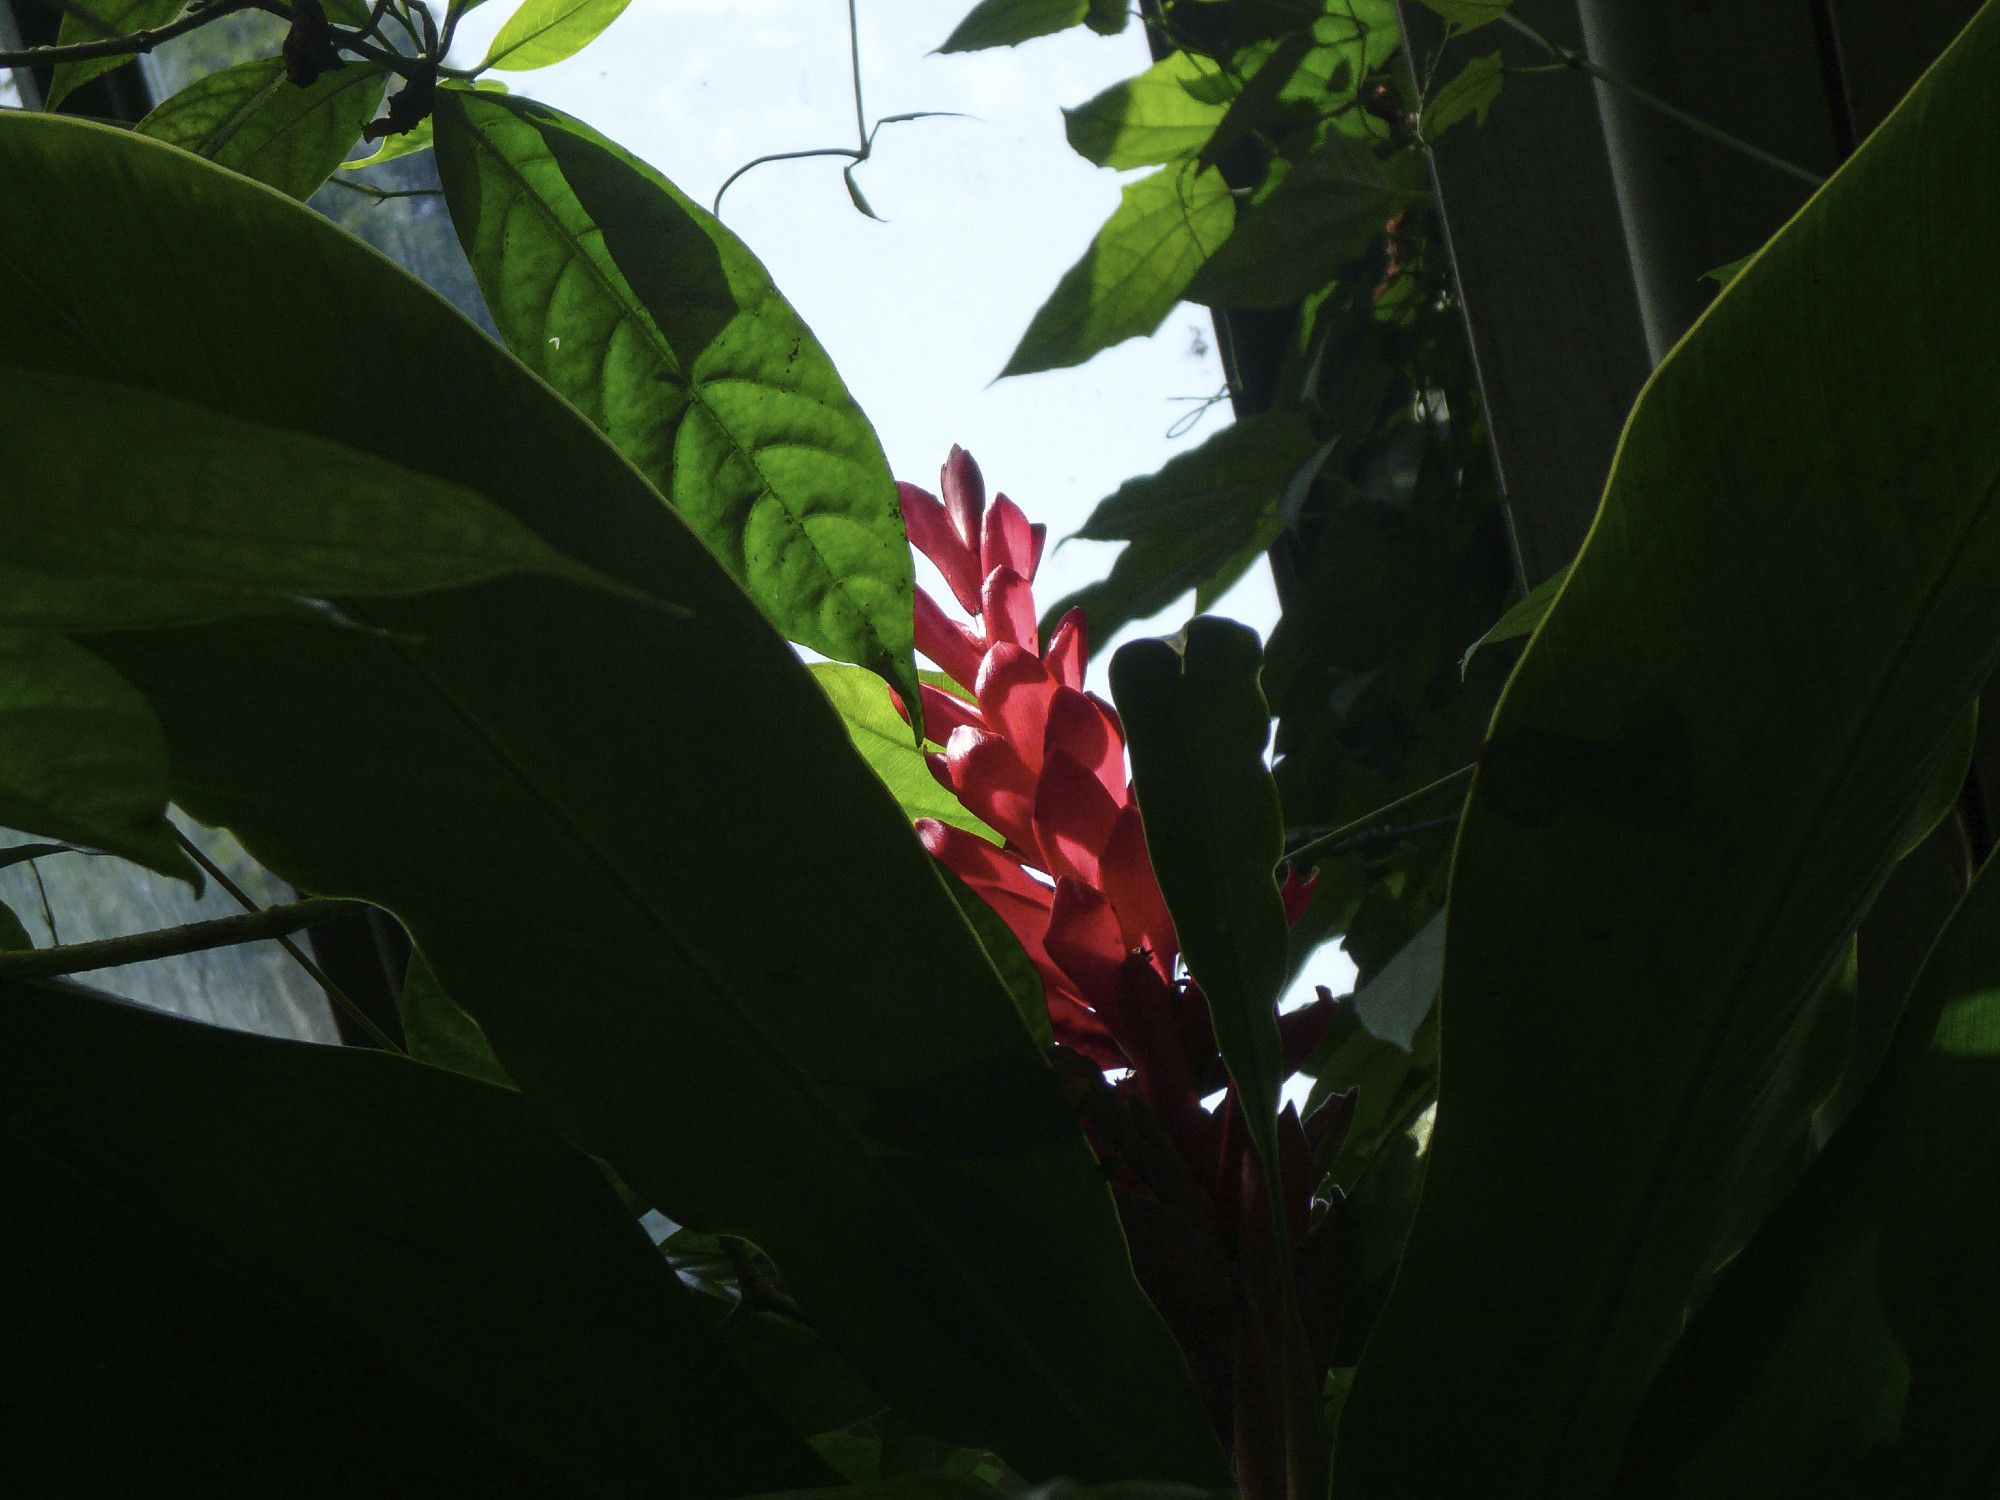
x: 82, y: 757
x: 526, y: 773
x: 660, y: 326
x: 1135, y: 270
x: 1855, y: 1347
x: 1762, y: 653
x: 279, y: 1267
x: 249, y: 119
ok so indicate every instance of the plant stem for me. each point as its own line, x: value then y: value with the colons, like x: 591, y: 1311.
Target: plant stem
x: 124, y: 46
x: 1338, y: 841
x: 319, y: 976
x: 1570, y: 58
x: 194, y: 937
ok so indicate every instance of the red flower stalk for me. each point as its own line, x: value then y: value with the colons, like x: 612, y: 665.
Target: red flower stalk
x: 1041, y: 761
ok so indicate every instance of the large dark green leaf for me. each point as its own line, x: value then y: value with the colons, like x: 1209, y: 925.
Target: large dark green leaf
x: 1196, y: 524
x: 123, y: 485
x: 81, y: 755
x: 250, y: 119
x: 1135, y: 270
x: 1715, y: 750
x: 660, y: 326
x: 1198, y: 726
x: 1855, y: 1347
x: 281, y: 1267
x: 713, y: 954
x: 1142, y: 121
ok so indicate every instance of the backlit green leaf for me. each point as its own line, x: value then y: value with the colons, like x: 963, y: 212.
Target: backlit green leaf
x: 250, y: 119
x: 883, y: 737
x: 1763, y: 651
x: 1145, y: 120
x: 1470, y: 13
x: 660, y: 326
x: 1295, y: 234
x: 1522, y: 617
x: 546, y: 31
x: 1134, y: 272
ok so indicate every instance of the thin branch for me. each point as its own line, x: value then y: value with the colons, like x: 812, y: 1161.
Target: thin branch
x: 1332, y: 843
x: 319, y: 976
x: 170, y: 942
x: 854, y: 59
x: 383, y: 195
x: 758, y: 161
x: 124, y: 46
x: 1570, y: 58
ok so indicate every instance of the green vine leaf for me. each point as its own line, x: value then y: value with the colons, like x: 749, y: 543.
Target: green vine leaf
x: 1472, y: 92
x: 1198, y: 523
x: 659, y: 325
x: 542, y: 32
x: 1308, y: 221
x: 1146, y: 120
x: 1467, y: 14
x: 1164, y: 228
x: 882, y: 736
x: 250, y: 119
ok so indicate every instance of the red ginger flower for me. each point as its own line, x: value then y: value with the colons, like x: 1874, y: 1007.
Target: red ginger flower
x: 1042, y: 762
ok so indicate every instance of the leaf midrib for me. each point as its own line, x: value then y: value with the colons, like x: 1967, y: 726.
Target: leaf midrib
x: 628, y: 313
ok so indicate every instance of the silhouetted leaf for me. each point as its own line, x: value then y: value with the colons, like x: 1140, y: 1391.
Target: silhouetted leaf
x: 1134, y: 272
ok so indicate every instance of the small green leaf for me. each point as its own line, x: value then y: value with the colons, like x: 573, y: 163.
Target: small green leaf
x: 1466, y: 14
x: 120, y: 18
x: 250, y: 119
x: 1472, y: 92
x: 1208, y: 511
x: 1148, y: 119
x: 1198, y: 726
x: 1522, y: 618
x: 1723, y: 275
x: 656, y: 322
x: 1134, y: 272
x: 883, y: 737
x: 438, y: 1032
x: 118, y: 483
x: 546, y: 31
x: 1008, y: 23
x: 1292, y: 237
x: 82, y: 758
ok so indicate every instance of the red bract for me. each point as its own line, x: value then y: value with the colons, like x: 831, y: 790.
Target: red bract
x: 1041, y: 761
